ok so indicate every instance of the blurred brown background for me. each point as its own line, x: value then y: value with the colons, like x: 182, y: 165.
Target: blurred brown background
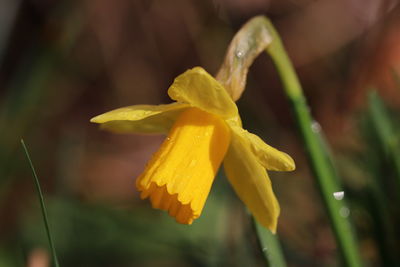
x: 63, y: 62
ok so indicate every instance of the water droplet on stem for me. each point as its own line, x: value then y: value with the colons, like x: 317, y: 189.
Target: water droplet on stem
x: 338, y: 195
x: 239, y: 54
x: 315, y: 127
x: 344, y: 212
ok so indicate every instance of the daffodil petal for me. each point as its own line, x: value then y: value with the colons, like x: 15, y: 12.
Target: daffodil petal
x: 271, y: 158
x: 199, y: 89
x: 179, y: 176
x: 251, y: 182
x: 141, y: 118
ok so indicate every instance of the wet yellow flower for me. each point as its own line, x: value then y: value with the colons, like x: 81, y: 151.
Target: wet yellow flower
x: 204, y: 129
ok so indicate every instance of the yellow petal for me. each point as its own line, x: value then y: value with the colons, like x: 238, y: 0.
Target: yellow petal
x: 179, y: 176
x: 141, y: 118
x: 251, y: 182
x: 271, y: 158
x: 199, y: 89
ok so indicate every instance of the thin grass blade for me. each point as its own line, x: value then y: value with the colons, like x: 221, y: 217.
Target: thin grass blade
x: 385, y: 132
x: 42, y: 205
x: 270, y: 246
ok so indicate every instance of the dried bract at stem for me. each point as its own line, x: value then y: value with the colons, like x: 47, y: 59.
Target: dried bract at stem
x: 252, y: 39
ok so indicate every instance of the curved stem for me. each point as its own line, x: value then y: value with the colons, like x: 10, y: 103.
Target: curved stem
x: 259, y: 35
x: 318, y: 155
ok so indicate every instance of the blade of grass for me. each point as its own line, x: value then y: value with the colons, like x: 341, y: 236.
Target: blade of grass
x: 42, y: 205
x: 385, y: 133
x: 318, y: 156
x: 270, y: 246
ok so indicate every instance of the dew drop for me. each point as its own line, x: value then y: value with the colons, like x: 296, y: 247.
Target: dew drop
x: 344, y: 212
x: 192, y: 163
x: 315, y: 127
x: 338, y: 195
x: 239, y: 54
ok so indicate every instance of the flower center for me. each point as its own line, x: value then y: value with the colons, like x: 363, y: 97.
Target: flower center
x: 179, y: 176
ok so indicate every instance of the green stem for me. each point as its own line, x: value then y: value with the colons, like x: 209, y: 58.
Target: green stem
x: 317, y: 154
x: 270, y: 246
x: 43, y: 207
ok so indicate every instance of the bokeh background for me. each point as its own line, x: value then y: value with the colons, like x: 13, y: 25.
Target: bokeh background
x: 63, y: 62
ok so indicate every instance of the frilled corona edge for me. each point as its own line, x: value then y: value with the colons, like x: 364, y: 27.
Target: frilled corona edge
x: 179, y: 176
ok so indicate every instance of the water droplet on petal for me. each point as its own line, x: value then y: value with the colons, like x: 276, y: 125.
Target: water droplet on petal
x: 239, y: 54
x: 344, y: 212
x: 192, y: 163
x: 338, y: 195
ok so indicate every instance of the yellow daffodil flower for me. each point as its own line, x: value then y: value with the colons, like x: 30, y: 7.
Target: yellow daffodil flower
x: 204, y: 129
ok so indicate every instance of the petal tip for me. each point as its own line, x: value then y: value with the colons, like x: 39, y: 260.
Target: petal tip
x: 271, y: 225
x: 289, y: 163
x: 273, y: 230
x: 198, y: 69
x: 95, y: 119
